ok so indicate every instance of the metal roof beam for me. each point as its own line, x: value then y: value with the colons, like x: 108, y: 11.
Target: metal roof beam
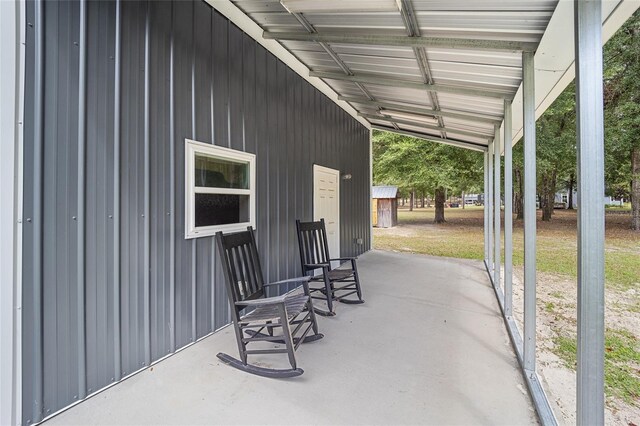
x: 425, y: 126
x: 413, y: 30
x: 447, y: 141
x: 403, y: 41
x: 336, y: 58
x: 419, y: 110
x: 394, y: 82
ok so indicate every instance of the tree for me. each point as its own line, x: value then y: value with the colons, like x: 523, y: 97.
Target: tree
x: 556, y: 152
x: 518, y: 187
x: 415, y: 164
x: 622, y: 115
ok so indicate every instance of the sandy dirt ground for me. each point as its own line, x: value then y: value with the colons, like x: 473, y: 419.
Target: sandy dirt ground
x: 559, y: 380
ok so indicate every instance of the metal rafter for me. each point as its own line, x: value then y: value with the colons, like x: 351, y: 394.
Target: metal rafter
x: 403, y: 41
x: 395, y: 82
x: 336, y: 58
x: 425, y: 126
x: 408, y: 108
x: 413, y: 30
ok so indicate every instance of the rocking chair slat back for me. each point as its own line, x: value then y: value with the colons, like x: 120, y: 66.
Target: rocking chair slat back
x: 241, y: 265
x: 312, y: 241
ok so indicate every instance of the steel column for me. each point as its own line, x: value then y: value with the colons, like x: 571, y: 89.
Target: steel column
x: 529, y: 212
x: 590, y: 150
x: 508, y: 212
x: 489, y: 207
x: 496, y: 207
x: 485, y: 212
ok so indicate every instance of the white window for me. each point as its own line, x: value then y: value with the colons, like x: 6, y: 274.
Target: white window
x: 220, y: 189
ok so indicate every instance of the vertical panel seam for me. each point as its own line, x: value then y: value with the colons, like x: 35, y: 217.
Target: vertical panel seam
x: 212, y: 103
x: 81, y: 325
x: 172, y: 189
x: 116, y: 199
x: 38, y: 374
x: 194, y: 318
x: 147, y: 189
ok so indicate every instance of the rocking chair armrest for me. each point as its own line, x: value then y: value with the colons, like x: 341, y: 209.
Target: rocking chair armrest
x: 264, y: 301
x: 344, y: 258
x: 311, y: 266
x: 289, y: 281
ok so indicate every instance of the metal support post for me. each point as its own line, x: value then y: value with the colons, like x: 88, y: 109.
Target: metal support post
x: 485, y: 212
x: 508, y: 212
x: 489, y: 207
x: 590, y: 150
x: 496, y: 207
x: 529, y: 356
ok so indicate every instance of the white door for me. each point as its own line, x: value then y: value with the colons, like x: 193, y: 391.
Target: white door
x: 326, y: 204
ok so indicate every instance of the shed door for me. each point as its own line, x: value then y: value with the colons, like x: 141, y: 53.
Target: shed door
x: 326, y: 204
x: 374, y: 211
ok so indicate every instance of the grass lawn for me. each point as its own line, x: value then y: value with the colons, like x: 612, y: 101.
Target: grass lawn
x: 462, y: 237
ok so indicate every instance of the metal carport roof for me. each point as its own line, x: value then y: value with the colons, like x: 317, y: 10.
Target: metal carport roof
x: 430, y: 68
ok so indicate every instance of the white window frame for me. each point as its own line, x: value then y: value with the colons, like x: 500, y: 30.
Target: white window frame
x: 191, y: 149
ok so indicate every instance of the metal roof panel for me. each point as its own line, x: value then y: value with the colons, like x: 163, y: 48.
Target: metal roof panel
x: 384, y: 191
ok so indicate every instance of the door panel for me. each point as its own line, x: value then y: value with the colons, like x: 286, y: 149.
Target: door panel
x: 326, y: 204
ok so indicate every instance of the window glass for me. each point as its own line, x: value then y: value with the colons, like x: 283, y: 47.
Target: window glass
x: 214, y: 172
x: 219, y: 189
x: 221, y: 209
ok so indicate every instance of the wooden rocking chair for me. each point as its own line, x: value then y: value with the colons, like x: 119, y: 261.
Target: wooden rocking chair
x: 336, y: 284
x: 292, y: 313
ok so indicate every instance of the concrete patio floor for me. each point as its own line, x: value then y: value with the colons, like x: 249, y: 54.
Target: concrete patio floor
x: 428, y: 347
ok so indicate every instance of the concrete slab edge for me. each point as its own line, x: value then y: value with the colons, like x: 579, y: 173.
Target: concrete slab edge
x: 536, y: 391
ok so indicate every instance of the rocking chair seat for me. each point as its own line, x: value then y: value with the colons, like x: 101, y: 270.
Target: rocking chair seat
x: 340, y: 274
x: 294, y: 305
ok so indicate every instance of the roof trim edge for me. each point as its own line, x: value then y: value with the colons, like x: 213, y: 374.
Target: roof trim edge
x: 453, y: 142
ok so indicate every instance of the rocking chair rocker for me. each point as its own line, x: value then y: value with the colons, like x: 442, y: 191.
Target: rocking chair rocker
x: 314, y: 254
x: 246, y: 289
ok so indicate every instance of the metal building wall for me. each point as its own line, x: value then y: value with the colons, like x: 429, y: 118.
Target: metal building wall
x: 112, y: 90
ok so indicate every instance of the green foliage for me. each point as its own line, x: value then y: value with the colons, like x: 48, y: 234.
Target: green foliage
x: 556, y: 136
x: 556, y: 129
x: 622, y: 104
x: 416, y: 164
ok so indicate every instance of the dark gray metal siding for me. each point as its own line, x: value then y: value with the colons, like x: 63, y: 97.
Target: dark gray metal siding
x: 110, y: 283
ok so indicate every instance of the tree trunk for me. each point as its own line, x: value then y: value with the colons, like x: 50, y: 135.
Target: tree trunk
x: 463, y: 199
x: 422, y: 200
x: 440, y: 198
x: 412, y: 199
x: 402, y: 201
x: 635, y: 188
x: 548, y: 195
x: 517, y: 196
x: 572, y: 184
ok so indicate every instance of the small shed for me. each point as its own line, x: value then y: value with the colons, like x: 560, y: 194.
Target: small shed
x: 384, y: 204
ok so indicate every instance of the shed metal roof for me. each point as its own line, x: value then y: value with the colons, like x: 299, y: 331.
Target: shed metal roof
x: 439, y: 69
x: 384, y: 191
